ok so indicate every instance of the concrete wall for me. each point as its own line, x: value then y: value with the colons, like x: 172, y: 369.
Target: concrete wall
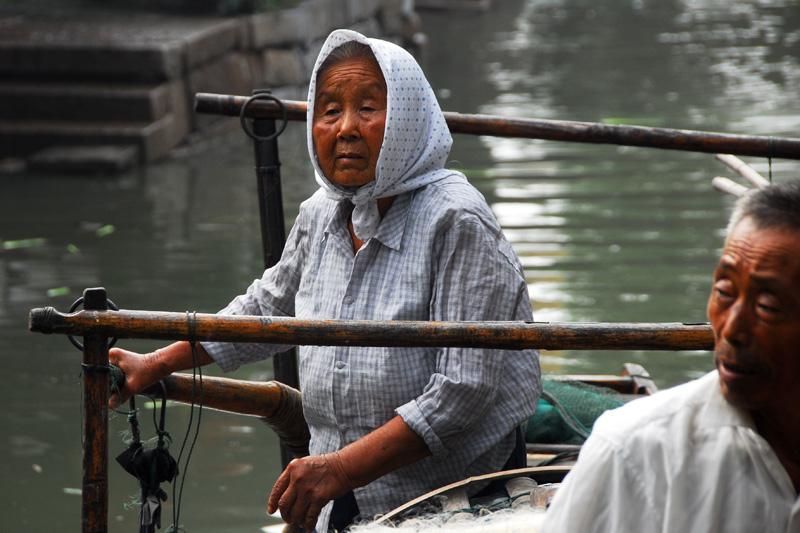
x: 107, y: 90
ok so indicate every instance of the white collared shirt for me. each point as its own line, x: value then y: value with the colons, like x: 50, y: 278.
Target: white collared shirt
x: 682, y: 460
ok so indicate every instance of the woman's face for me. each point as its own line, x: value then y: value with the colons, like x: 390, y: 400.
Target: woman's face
x: 349, y: 120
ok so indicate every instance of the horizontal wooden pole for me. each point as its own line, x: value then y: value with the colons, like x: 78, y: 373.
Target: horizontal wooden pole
x: 554, y: 130
x: 292, y: 331
x: 276, y: 404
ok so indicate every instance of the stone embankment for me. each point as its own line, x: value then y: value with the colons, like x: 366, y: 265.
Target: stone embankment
x: 101, y: 91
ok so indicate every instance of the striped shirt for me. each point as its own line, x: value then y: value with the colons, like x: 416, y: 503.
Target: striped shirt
x: 438, y: 254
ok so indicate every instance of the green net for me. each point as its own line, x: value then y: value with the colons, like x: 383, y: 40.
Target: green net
x: 567, y: 410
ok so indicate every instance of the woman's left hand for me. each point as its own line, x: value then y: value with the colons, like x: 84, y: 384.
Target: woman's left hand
x: 309, y: 483
x: 306, y: 486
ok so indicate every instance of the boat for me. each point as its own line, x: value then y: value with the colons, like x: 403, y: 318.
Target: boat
x: 524, y: 492
x: 278, y: 403
x: 280, y: 406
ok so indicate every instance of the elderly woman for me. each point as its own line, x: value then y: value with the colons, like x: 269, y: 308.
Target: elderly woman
x: 390, y: 235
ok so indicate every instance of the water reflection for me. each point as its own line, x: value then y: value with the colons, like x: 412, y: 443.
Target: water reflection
x: 604, y: 233
x: 587, y: 218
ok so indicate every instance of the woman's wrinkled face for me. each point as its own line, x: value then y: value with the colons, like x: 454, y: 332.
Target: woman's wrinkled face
x: 349, y: 120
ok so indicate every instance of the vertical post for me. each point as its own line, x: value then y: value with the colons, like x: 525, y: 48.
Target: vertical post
x: 94, y: 517
x: 273, y: 231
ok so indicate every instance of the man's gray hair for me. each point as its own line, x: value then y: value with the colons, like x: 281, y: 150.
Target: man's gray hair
x: 775, y: 205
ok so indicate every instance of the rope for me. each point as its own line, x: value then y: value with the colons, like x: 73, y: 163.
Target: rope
x: 770, y: 158
x: 197, y: 378
x: 133, y: 420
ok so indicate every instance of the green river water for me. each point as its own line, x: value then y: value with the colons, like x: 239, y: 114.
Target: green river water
x: 605, y: 233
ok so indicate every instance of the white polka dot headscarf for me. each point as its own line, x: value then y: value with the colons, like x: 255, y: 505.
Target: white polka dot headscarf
x: 416, y: 140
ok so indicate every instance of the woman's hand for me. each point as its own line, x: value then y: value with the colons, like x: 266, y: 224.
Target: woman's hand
x: 141, y: 371
x: 306, y: 486
x: 144, y: 370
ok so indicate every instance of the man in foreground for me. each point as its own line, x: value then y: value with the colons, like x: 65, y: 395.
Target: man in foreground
x: 721, y: 453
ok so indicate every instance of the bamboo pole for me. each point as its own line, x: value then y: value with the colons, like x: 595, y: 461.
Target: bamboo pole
x: 728, y: 186
x: 554, y: 130
x: 94, y: 489
x: 273, y: 227
x: 743, y: 169
x: 292, y: 331
x: 275, y: 403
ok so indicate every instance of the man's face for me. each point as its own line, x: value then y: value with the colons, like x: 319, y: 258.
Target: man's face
x: 754, y: 310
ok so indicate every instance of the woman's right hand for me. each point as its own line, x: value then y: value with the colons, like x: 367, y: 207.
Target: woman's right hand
x: 144, y: 370
x: 141, y: 371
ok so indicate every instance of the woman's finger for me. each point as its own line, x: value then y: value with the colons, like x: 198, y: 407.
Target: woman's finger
x: 277, y: 492
x: 286, y: 504
x: 312, y: 515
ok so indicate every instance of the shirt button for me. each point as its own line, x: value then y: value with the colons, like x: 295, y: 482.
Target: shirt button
x: 340, y: 364
x: 348, y: 300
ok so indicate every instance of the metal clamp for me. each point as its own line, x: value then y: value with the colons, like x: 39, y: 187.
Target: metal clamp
x: 248, y: 130
x: 72, y: 309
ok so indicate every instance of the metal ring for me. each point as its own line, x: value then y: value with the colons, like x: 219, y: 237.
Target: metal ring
x: 72, y: 309
x: 243, y: 118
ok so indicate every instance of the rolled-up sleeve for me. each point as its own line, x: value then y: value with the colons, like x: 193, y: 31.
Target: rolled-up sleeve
x: 476, y: 278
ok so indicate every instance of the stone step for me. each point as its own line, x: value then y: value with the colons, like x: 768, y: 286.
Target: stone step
x: 93, y: 159
x: 153, y: 139
x: 459, y: 5
x: 137, y: 48
x: 84, y: 101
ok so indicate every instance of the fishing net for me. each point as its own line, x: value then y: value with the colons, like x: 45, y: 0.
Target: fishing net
x: 567, y: 410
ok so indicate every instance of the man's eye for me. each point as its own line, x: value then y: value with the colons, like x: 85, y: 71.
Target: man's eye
x: 723, y: 291
x: 769, y: 306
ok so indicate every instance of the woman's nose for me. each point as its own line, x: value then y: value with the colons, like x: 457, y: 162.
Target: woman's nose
x: 348, y: 126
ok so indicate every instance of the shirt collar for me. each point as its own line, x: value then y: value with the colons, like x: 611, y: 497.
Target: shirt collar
x: 390, y: 232
x: 339, y: 218
x: 391, y: 229
x: 718, y: 412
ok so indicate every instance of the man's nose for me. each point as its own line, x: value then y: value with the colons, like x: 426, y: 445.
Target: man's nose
x: 738, y: 323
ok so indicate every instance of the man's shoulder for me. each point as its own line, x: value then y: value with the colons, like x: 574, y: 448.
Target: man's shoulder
x: 664, y: 414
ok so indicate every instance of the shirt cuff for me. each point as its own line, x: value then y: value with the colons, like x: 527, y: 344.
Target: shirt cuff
x: 224, y: 354
x: 413, y: 416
